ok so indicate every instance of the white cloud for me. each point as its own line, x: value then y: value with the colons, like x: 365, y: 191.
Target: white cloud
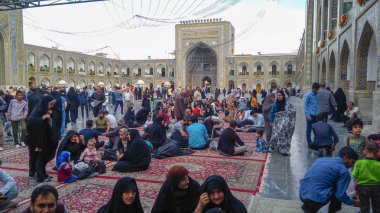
x: 278, y: 31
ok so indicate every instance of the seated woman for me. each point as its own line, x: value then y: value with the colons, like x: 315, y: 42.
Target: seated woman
x: 73, y: 143
x: 216, y: 194
x: 129, y: 117
x: 136, y: 156
x: 156, y: 132
x: 125, y: 198
x: 178, y: 194
x: 141, y: 116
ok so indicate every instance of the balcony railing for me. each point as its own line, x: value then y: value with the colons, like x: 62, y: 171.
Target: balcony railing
x: 258, y: 73
x: 243, y: 73
x: 31, y: 69
x: 71, y: 70
x: 274, y: 73
x: 92, y: 72
x: 124, y: 75
x: 137, y: 75
x: 290, y: 73
x: 44, y: 69
x: 116, y: 74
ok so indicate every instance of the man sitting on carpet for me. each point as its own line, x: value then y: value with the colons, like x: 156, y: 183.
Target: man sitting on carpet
x: 8, y: 190
x: 102, y: 124
x: 230, y: 143
x: 45, y: 199
x: 198, y: 137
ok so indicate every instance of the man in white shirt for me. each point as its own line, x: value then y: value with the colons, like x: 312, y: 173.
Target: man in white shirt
x: 111, y: 119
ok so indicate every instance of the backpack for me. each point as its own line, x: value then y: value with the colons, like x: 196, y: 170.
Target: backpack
x: 99, y: 166
x: 3, y: 105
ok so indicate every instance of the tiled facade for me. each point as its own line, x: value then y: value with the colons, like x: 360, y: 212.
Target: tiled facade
x: 342, y: 48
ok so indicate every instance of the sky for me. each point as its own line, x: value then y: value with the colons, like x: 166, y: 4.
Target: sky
x: 115, y: 26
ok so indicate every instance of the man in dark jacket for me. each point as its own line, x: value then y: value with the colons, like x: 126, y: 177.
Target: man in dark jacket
x: 179, y: 106
x: 97, y: 99
x: 228, y: 140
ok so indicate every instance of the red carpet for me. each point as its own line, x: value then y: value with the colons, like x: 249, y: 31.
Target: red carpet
x: 243, y: 174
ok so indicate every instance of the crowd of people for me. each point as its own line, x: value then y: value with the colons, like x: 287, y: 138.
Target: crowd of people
x: 182, y: 121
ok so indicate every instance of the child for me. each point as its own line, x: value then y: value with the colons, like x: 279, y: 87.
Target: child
x: 325, y: 136
x: 375, y: 138
x: 356, y: 140
x: 148, y: 121
x: 367, y: 174
x: 89, y: 154
x: 261, y: 144
x: 65, y: 168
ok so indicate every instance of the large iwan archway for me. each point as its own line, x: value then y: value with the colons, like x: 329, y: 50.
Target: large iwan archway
x: 201, y: 61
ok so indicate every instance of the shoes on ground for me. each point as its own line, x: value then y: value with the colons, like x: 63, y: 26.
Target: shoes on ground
x: 18, y: 146
x: 23, y: 144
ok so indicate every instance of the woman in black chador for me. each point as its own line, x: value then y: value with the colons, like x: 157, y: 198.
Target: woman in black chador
x: 40, y: 139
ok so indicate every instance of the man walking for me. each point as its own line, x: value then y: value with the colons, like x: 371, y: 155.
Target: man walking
x: 326, y: 101
x: 311, y: 109
x: 118, y: 100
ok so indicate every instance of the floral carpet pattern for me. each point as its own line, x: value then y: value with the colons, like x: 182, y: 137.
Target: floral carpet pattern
x: 243, y: 174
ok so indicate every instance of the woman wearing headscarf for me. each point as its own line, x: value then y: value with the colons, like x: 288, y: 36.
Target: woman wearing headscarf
x: 178, y: 194
x: 141, y: 116
x: 72, y: 143
x: 267, y: 106
x: 129, y: 117
x: 57, y: 116
x: 125, y: 198
x: 282, y: 118
x: 34, y: 98
x: 74, y: 104
x: 39, y: 138
x: 146, y: 103
x: 341, y: 101
x: 137, y: 155
x: 157, y: 109
x: 156, y: 132
x: 215, y: 193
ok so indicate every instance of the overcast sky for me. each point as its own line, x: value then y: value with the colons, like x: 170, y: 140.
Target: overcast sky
x: 265, y: 26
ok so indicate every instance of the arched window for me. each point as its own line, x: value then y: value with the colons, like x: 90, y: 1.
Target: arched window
x: 162, y: 72
x: 231, y: 84
x: 258, y: 68
x: 290, y: 68
x: 274, y: 68
x: 244, y: 70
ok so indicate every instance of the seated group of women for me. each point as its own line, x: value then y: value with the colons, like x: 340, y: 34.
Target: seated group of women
x: 178, y: 194
x: 131, y: 151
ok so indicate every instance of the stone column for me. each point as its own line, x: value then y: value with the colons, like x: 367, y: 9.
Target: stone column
x: 309, y: 50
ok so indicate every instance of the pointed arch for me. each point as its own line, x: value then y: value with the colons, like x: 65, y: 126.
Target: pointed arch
x: 44, y: 63
x: 331, y: 75
x: 363, y: 57
x: 324, y: 71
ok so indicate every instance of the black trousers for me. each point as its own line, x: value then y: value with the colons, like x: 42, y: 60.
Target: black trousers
x: 84, y: 106
x: 367, y: 194
x: 37, y: 165
x: 74, y: 115
x: 310, y: 206
x: 96, y: 110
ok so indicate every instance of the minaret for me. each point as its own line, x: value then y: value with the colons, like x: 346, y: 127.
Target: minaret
x: 12, y: 54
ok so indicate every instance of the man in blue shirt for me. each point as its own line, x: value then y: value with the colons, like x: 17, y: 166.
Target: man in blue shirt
x: 8, y: 190
x: 198, y: 137
x: 83, y: 98
x: 118, y: 100
x: 311, y: 109
x: 327, y: 181
x: 325, y: 136
x: 89, y: 133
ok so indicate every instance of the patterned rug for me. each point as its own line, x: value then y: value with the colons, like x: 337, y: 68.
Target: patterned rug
x: 243, y: 174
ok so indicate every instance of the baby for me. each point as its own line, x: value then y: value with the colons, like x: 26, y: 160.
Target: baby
x: 148, y: 121
x: 89, y: 154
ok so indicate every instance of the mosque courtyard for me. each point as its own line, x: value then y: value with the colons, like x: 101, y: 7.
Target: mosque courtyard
x: 263, y: 182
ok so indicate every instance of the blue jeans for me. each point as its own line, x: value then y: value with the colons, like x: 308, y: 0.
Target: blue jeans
x: 71, y: 180
x: 308, y: 128
x: 119, y: 102
x: 12, y: 194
